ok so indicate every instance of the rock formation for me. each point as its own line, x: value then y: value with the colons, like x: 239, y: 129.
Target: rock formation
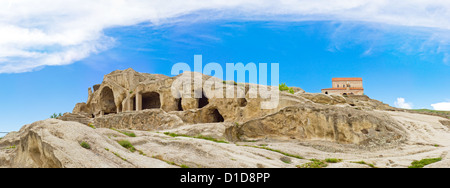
x: 131, y: 100
x: 156, y: 108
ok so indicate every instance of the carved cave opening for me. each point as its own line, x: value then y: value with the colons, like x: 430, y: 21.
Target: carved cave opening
x: 107, y: 101
x: 202, y: 102
x: 217, y: 117
x: 179, y: 105
x: 151, y: 100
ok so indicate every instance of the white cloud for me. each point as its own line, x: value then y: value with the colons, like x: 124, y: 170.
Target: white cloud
x: 441, y: 106
x: 48, y: 32
x: 401, y: 103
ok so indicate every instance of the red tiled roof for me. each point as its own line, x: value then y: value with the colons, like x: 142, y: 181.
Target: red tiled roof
x: 341, y: 88
x: 346, y: 79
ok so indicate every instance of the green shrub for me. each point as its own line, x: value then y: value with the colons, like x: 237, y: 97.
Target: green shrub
x: 126, y: 144
x: 85, y: 145
x: 291, y: 91
x: 284, y: 87
x: 424, y: 162
x: 54, y: 116
x: 333, y: 160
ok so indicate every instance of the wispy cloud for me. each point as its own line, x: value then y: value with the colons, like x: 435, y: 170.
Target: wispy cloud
x: 401, y: 103
x: 34, y: 34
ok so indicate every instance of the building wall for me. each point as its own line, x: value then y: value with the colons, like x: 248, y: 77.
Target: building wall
x: 340, y: 92
x: 340, y: 84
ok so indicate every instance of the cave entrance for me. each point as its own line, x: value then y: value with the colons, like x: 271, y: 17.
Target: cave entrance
x: 133, y: 103
x: 217, y: 117
x: 107, y: 101
x: 179, y: 105
x: 202, y: 102
x: 150, y: 100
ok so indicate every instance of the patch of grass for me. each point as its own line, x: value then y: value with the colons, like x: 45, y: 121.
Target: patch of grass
x: 125, y: 133
x: 433, y: 112
x: 11, y: 147
x: 116, y: 154
x: 332, y: 160
x: 141, y: 152
x: 85, y: 145
x: 424, y: 162
x: 198, y: 137
x: 364, y: 163
x: 174, y: 134
x: 278, y: 151
x: 159, y: 157
x: 126, y: 144
x: 91, y: 125
x: 315, y: 163
x: 129, y: 134
x: 171, y: 163
x: 210, y: 139
x: 184, y: 166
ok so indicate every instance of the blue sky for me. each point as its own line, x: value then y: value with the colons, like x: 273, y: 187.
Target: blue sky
x: 404, y: 64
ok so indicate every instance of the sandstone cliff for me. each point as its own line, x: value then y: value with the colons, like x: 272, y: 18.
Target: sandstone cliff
x: 172, y: 128
x: 130, y: 100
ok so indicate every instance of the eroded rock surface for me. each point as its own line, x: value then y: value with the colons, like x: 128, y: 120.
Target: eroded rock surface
x: 177, y: 122
x: 131, y: 100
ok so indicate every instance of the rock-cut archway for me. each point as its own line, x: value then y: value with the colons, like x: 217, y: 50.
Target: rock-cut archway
x: 216, y: 116
x: 107, y: 101
x: 150, y: 100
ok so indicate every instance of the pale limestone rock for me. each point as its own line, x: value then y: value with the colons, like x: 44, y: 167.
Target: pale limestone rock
x: 131, y: 100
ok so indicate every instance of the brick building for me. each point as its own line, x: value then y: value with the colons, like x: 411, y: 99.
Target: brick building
x: 342, y: 86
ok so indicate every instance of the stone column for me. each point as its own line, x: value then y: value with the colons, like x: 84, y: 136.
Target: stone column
x: 138, y: 101
x: 129, y: 104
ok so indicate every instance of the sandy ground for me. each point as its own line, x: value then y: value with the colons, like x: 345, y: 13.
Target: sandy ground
x: 426, y: 138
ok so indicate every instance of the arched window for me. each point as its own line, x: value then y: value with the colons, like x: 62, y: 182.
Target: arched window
x: 338, y: 85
